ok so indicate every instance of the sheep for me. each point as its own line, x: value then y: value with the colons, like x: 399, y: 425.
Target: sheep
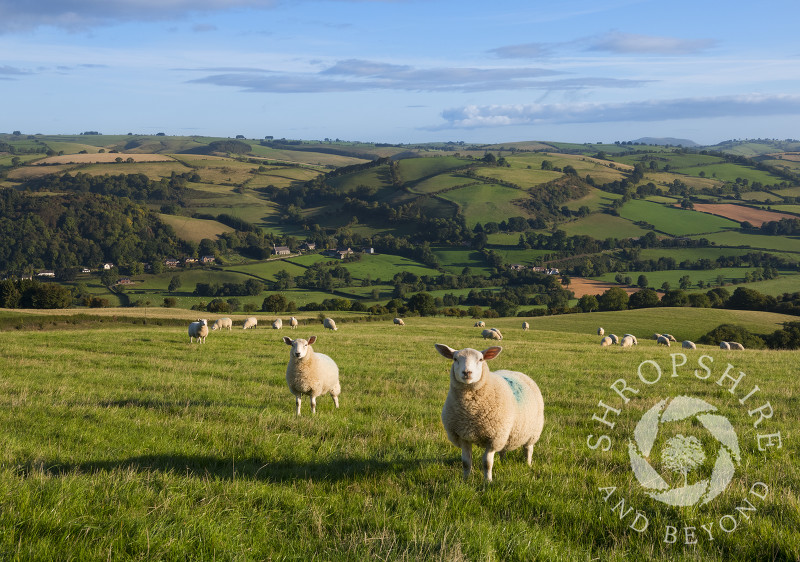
x: 330, y: 324
x: 198, y: 330
x: 724, y: 345
x: 600, y: 331
x: 492, y: 334
x: 736, y: 345
x: 399, y: 321
x: 663, y: 340
x: 614, y: 338
x: 480, y: 324
x: 222, y: 323
x: 293, y: 323
x: 250, y: 322
x: 606, y: 341
x: 670, y: 337
x: 656, y: 336
x: 499, y: 411
x: 311, y: 373
x: 277, y: 324
x: 635, y: 341
x: 525, y: 326
x: 686, y: 344
x: 627, y: 341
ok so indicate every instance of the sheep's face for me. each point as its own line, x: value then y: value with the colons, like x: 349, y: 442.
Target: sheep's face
x: 203, y: 321
x: 300, y: 346
x: 468, y: 363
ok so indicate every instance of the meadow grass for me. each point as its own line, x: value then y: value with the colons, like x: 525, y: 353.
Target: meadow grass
x: 730, y: 172
x: 487, y: 202
x: 194, y: 230
x: 602, y: 226
x: 129, y: 443
x: 755, y: 241
x: 678, y: 222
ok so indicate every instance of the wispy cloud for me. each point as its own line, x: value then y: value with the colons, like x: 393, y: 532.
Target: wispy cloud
x: 632, y: 43
x: 203, y: 27
x: 6, y: 71
x: 361, y: 75
x: 472, y: 116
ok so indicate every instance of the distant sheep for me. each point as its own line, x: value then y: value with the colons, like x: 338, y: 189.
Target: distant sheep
x: 670, y: 337
x: 656, y: 336
x: 724, y: 345
x: 198, y: 330
x: 492, y: 334
x: 311, y: 373
x: 277, y: 324
x: 498, y: 411
x: 330, y: 324
x: 222, y: 323
x: 600, y: 331
x: 736, y: 345
x: 480, y: 324
x: 663, y: 340
x: 399, y: 321
x: 525, y: 326
x: 686, y: 344
x: 250, y: 322
x: 614, y: 338
x: 635, y: 341
x: 606, y: 341
x: 626, y: 341
x: 293, y: 322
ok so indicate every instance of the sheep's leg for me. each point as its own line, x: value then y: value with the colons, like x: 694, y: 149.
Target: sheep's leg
x: 502, y: 454
x: 529, y: 453
x: 466, y: 458
x: 297, y: 402
x: 313, y: 404
x: 335, y: 400
x: 488, y: 462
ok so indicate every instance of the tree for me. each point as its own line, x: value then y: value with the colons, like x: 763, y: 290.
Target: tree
x: 588, y: 303
x: 685, y: 282
x: 644, y: 298
x: 614, y: 298
x: 675, y: 298
x: 274, y: 303
x: 170, y: 302
x: 642, y: 281
x: 423, y: 303
x: 174, y: 283
x: 683, y: 454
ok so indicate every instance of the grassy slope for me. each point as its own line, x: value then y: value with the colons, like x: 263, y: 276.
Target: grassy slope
x: 193, y: 452
x: 677, y: 222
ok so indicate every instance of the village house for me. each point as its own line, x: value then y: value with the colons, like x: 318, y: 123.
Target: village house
x: 309, y: 246
x: 281, y: 250
x: 207, y: 260
x: 46, y: 273
x: 171, y: 262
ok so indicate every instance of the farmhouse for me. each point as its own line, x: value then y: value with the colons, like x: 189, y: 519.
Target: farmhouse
x: 281, y: 250
x: 171, y: 262
x: 309, y: 246
x: 207, y: 260
x: 46, y: 273
x: 108, y: 266
x: 340, y: 253
x: 189, y: 261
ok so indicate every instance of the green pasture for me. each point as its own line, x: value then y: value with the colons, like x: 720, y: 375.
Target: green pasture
x: 733, y: 276
x: 519, y: 174
x: 153, y: 170
x: 755, y: 241
x: 413, y: 170
x: 665, y: 179
x: 312, y: 158
x: 438, y: 183
x: 729, y: 172
x: 691, y: 254
x: 487, y: 202
x: 602, y: 226
x: 788, y: 191
x: 517, y: 256
x: 377, y: 178
x: 786, y: 208
x: 672, y: 220
x: 454, y: 260
x: 596, y: 200
x: 281, y: 177
x: 385, y: 266
x: 267, y: 269
x: 191, y: 452
x: 194, y: 230
x: 760, y: 196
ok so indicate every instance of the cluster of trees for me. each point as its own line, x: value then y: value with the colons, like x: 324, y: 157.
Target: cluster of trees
x: 29, y: 293
x: 137, y: 187
x: 250, y: 287
x: 788, y: 337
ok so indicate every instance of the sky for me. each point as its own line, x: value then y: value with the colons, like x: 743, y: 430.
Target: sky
x: 403, y: 71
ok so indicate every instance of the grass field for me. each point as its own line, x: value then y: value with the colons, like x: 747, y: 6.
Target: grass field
x: 602, y: 226
x: 194, y: 230
x: 733, y: 276
x: 762, y: 241
x: 114, y: 451
x: 677, y: 222
x: 487, y: 202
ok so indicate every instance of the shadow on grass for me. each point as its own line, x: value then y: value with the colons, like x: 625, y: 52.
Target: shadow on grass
x: 332, y: 470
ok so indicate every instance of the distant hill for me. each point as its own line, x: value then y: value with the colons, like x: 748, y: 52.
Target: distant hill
x: 662, y: 141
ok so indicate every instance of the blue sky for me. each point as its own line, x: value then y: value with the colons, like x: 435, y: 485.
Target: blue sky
x: 403, y: 71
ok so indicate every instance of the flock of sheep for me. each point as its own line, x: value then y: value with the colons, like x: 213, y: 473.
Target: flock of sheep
x: 629, y: 340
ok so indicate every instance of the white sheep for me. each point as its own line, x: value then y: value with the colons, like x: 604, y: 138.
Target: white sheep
x: 250, y: 322
x: 499, y: 411
x: 293, y: 322
x: 656, y: 336
x: 399, y: 321
x: 635, y: 341
x: 198, y: 330
x: 670, y: 337
x: 600, y: 331
x: 724, y: 345
x: 686, y: 344
x: 277, y: 324
x: 491, y: 334
x: 525, y: 326
x: 626, y: 341
x: 330, y: 324
x: 736, y: 345
x: 606, y: 341
x: 662, y: 340
x: 222, y: 323
x: 311, y: 373
x: 614, y: 338
x: 480, y: 324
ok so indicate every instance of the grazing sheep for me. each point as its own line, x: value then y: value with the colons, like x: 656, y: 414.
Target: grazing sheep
x: 277, y: 324
x: 670, y: 337
x: 222, y: 323
x: 330, y: 324
x: 499, y: 411
x: 480, y: 324
x: 736, y: 345
x: 724, y: 345
x: 614, y: 338
x: 311, y: 373
x: 399, y: 321
x: 492, y: 334
x: 686, y: 344
x: 662, y: 340
x: 525, y: 326
x: 626, y: 341
x: 293, y: 322
x: 635, y: 341
x: 656, y: 336
x: 250, y: 322
x: 600, y: 331
x: 198, y: 330
x: 606, y: 341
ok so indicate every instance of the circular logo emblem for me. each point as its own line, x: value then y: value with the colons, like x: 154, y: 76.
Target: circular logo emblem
x: 683, y: 454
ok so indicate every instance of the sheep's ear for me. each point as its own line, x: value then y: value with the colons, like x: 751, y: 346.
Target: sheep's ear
x: 444, y: 350
x: 287, y: 340
x: 491, y: 352
x: 311, y: 340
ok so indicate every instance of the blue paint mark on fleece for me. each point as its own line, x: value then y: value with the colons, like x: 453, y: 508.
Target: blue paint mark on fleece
x: 516, y: 388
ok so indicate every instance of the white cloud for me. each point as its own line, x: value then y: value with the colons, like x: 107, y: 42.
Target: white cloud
x: 632, y: 43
